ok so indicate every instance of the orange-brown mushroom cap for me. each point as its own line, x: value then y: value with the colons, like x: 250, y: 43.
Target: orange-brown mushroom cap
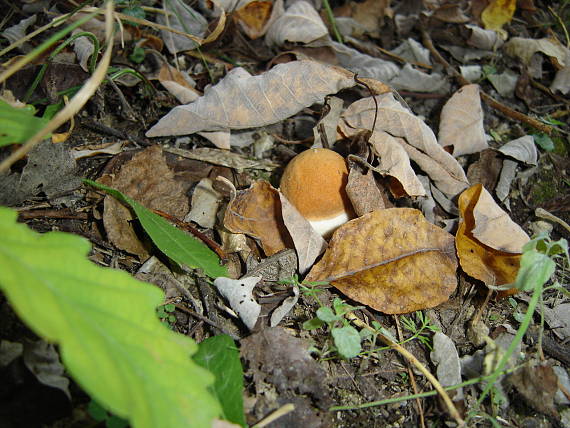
x: 314, y: 182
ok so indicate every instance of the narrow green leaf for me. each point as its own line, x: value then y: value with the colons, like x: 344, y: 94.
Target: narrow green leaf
x: 18, y: 124
x: 105, y: 323
x: 176, y: 244
x: 347, y: 341
x: 220, y: 356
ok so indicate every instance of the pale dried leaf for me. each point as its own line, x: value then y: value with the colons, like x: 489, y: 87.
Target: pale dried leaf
x: 446, y: 358
x: 525, y: 48
x: 309, y: 244
x: 484, y: 39
x: 284, y: 308
x: 392, y: 260
x: 505, y: 83
x: 42, y: 359
x: 178, y: 84
x: 239, y: 294
x: 205, y: 203
x: 223, y: 158
x: 522, y: 149
x: 494, y: 227
x: 561, y: 81
x: 365, y: 65
x: 182, y: 17
x: 413, y: 51
x: 299, y: 24
x: 471, y: 72
x: 395, y: 162
x: 411, y: 79
x: 368, y: 13
x: 106, y: 149
x: 240, y: 101
x: 328, y: 123
x: 220, y: 139
x: 83, y: 48
x: 461, y: 123
x: 420, y: 142
x: 18, y: 31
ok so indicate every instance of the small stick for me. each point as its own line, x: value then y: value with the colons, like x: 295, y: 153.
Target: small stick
x: 491, y: 102
x: 282, y: 411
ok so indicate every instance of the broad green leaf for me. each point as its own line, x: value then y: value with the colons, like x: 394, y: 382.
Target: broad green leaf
x: 326, y: 314
x: 347, y: 341
x: 176, y: 244
x: 105, y: 323
x: 535, y: 269
x: 220, y: 356
x: 313, y: 324
x: 18, y: 124
x: 544, y: 141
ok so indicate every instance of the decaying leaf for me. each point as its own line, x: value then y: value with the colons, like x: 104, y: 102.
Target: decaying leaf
x: 300, y: 23
x: 309, y: 244
x: 177, y: 83
x: 488, y: 241
x: 395, y: 162
x: 368, y: 13
x: 183, y: 18
x: 363, y: 192
x: 205, y: 203
x: 392, y: 260
x: 257, y: 213
x: 416, y: 137
x: 147, y: 179
x: 445, y: 356
x: 498, y: 13
x: 254, y: 18
x: 238, y: 292
x: 522, y: 149
x: 461, y: 124
x: 223, y: 158
x: 243, y: 101
x: 525, y: 48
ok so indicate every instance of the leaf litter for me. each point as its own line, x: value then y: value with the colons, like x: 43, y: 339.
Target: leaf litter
x: 390, y: 258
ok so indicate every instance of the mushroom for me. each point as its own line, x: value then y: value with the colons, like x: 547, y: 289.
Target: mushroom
x: 314, y: 182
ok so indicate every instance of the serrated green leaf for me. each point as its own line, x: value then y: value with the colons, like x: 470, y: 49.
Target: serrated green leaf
x: 347, y: 341
x: 18, y: 124
x: 220, y: 356
x: 176, y: 244
x: 105, y: 323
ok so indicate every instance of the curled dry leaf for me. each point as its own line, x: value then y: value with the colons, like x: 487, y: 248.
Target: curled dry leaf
x: 309, y: 244
x: 255, y: 18
x: 461, y: 124
x: 300, y: 23
x: 363, y: 192
x: 239, y: 293
x: 177, y: 84
x: 525, y: 48
x: 392, y: 260
x: 257, y: 213
x: 416, y: 137
x: 488, y: 241
x: 243, y: 101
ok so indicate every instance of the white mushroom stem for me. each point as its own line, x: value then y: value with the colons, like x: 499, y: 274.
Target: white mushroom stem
x: 326, y: 227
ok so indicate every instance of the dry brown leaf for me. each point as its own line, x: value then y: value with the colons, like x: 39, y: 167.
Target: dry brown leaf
x: 309, y: 244
x: 147, y: 179
x: 243, y: 101
x: 525, y: 48
x: 253, y: 18
x: 396, y: 163
x: 257, y: 213
x: 420, y: 142
x: 363, y: 192
x: 392, y: 260
x: 461, y: 124
x: 368, y: 13
x: 495, y: 264
x: 175, y: 83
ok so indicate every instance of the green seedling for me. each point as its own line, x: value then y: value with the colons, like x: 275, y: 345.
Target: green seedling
x: 346, y: 338
x: 99, y: 414
x: 421, y: 328
x: 166, y: 314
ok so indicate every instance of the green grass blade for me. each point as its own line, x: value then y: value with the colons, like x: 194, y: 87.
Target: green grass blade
x: 176, y: 244
x: 104, y: 321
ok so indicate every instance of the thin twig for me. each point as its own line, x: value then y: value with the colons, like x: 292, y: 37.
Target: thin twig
x: 411, y: 358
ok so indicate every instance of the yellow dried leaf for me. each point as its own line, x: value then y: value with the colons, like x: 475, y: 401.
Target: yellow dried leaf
x: 392, y: 260
x: 257, y: 213
x: 498, y: 13
x: 481, y: 261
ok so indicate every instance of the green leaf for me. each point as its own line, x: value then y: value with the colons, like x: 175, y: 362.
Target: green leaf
x: 220, y: 356
x: 535, y: 269
x: 544, y: 141
x: 326, y: 314
x: 105, y: 323
x: 17, y: 125
x: 176, y: 244
x: 313, y: 324
x: 96, y: 411
x: 347, y: 341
